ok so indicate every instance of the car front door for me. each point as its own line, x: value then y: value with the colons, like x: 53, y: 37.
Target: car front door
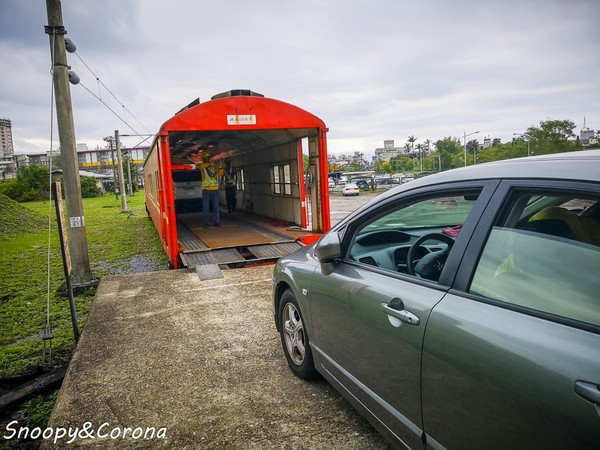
x: 511, y: 356
x: 369, y: 315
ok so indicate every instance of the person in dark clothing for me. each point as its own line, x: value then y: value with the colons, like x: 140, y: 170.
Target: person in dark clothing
x: 229, y: 181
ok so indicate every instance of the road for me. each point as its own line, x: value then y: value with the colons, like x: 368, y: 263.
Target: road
x: 341, y: 206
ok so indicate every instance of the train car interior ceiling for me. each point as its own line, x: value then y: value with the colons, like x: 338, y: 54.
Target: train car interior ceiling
x: 230, y: 143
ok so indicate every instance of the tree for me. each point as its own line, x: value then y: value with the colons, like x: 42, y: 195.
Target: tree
x: 411, y: 140
x: 472, y: 148
x: 450, y: 151
x: 552, y: 136
x: 381, y: 166
x: 35, y: 177
x: 402, y: 164
x: 32, y: 183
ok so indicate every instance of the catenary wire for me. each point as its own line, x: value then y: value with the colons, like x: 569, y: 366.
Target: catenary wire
x: 98, y: 80
x: 110, y: 109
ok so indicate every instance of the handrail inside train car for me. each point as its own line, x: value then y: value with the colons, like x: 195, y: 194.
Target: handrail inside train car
x: 278, y: 204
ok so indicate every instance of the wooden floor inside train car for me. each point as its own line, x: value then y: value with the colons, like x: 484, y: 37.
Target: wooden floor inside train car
x: 241, y: 239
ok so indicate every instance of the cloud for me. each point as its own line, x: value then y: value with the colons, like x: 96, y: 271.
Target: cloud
x: 372, y: 70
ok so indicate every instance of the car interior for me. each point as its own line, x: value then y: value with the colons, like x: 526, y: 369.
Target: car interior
x: 540, y: 254
x: 415, y: 239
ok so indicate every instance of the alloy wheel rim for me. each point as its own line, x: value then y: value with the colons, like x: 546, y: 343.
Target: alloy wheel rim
x: 294, y: 334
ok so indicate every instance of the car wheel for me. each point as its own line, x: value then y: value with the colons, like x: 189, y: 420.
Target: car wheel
x: 295, y: 338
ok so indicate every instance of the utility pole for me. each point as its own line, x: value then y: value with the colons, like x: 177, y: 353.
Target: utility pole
x: 130, y: 184
x: 110, y: 139
x: 78, y: 246
x: 121, y: 177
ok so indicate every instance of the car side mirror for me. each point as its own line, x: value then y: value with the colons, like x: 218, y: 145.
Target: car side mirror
x: 329, y: 248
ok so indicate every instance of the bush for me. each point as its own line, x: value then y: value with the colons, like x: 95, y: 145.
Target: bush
x: 89, y: 188
x: 31, y: 184
x: 9, y: 188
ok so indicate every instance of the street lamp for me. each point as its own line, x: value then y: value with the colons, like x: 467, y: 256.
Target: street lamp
x: 474, y: 153
x: 465, y: 143
x: 528, y: 139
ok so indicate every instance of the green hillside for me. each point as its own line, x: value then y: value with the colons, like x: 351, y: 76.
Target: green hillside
x: 16, y: 219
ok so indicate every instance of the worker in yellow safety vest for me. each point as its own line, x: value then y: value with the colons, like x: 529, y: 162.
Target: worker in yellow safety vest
x: 209, y: 184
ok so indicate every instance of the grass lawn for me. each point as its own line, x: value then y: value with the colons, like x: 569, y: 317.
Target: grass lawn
x: 118, y: 243
x: 31, y: 272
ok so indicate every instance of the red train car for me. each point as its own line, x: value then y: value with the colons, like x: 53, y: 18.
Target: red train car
x: 279, y: 207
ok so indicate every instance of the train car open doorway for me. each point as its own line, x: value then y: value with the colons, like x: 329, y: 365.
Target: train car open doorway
x: 280, y: 205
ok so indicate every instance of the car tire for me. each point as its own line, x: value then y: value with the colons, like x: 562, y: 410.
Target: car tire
x: 294, y: 338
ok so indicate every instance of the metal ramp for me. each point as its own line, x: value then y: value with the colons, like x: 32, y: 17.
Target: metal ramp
x: 188, y: 240
x: 239, y: 256
x: 197, y: 253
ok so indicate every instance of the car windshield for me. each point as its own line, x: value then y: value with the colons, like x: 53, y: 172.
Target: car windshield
x: 430, y: 213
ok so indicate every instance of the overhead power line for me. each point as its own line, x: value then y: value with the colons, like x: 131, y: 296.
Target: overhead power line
x: 110, y: 109
x: 99, y: 98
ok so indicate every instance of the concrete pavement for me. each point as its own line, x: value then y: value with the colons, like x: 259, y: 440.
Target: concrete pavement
x: 195, y: 364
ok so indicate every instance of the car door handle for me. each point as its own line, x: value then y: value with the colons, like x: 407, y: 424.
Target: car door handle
x: 589, y: 391
x: 395, y: 308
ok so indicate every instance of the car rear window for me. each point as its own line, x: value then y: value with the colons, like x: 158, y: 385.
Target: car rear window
x: 544, y: 255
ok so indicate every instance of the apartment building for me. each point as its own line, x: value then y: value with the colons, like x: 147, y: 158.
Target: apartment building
x: 6, y: 139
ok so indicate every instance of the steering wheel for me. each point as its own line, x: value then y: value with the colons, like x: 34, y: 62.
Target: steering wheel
x: 432, y: 264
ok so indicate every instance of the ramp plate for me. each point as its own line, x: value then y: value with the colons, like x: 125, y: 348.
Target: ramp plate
x: 222, y: 256
x: 227, y: 256
x: 273, y: 250
x: 209, y: 272
x: 188, y: 240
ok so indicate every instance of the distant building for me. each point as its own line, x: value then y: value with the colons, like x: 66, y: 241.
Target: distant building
x: 6, y: 139
x: 387, y: 152
x: 588, y: 137
x: 99, y: 161
x: 357, y: 158
x: 103, y: 160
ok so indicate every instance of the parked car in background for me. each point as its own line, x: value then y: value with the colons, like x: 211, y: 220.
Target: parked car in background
x: 363, y: 184
x: 350, y: 189
x: 331, y: 183
x: 460, y: 310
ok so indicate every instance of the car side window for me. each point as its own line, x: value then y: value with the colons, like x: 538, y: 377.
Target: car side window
x: 544, y: 254
x: 413, y: 238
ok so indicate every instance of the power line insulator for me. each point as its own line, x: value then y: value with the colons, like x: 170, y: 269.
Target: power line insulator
x: 73, y: 77
x: 70, y: 45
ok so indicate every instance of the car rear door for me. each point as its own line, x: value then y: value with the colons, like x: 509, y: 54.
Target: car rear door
x: 359, y: 340
x: 511, y: 355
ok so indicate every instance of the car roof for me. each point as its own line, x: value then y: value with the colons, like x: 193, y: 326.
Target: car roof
x: 580, y: 165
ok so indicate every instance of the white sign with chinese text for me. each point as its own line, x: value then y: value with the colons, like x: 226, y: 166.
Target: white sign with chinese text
x: 242, y: 119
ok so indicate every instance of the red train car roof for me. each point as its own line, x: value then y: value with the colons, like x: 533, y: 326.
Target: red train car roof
x: 234, y: 122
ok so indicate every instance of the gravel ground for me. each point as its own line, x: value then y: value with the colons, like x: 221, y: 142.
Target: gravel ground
x: 201, y: 362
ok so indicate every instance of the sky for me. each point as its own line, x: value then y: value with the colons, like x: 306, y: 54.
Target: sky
x: 372, y: 70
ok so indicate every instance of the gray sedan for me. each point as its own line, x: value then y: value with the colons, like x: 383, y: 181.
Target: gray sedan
x: 461, y: 310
